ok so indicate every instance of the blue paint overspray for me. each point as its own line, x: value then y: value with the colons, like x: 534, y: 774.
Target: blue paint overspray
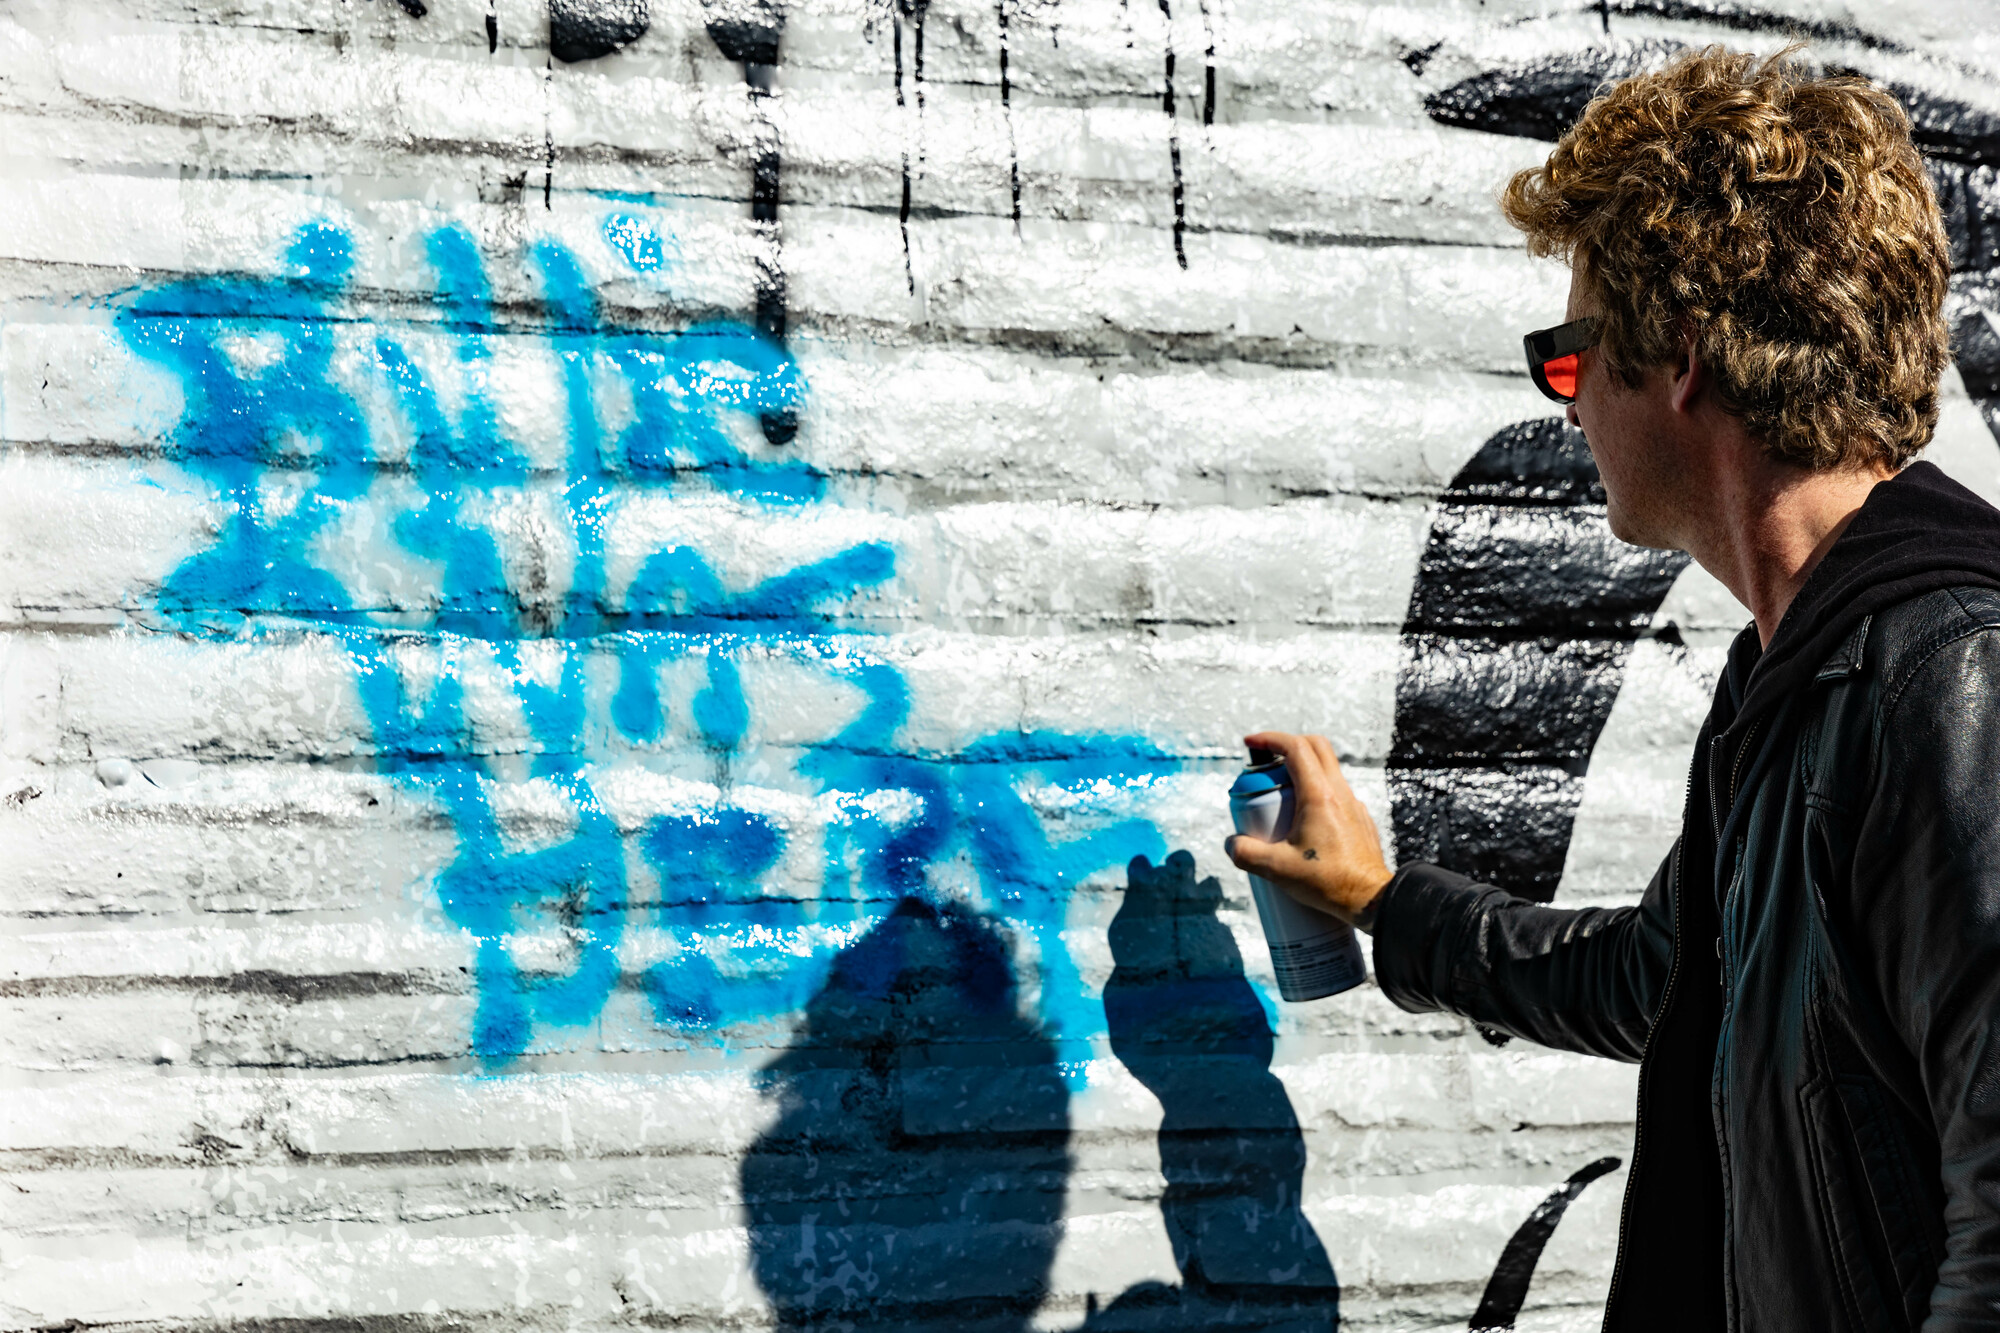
x: 739, y: 950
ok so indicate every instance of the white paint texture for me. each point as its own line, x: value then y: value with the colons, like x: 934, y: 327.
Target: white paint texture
x: 1114, y: 497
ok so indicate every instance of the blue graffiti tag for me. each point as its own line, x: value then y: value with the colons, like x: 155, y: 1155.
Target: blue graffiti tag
x: 287, y: 446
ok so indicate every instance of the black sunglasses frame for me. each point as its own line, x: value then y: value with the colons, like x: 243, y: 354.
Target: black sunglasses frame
x: 1546, y: 345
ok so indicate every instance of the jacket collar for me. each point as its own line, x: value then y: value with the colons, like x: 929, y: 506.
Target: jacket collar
x: 1846, y: 659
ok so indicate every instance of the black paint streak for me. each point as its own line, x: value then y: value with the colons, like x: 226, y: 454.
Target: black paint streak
x: 548, y: 136
x: 1747, y: 18
x: 1507, y: 1289
x: 1207, y: 69
x: 492, y: 32
x: 1007, y: 113
x: 1174, y: 145
x: 747, y: 31
x: 414, y: 8
x: 592, y: 29
x: 916, y: 12
x: 1524, y: 611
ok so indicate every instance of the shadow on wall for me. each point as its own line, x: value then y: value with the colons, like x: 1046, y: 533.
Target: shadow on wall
x: 1183, y: 1019
x: 915, y: 1175
x: 917, y: 1172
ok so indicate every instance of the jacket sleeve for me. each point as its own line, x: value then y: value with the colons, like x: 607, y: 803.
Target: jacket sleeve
x: 1584, y: 979
x: 1927, y: 917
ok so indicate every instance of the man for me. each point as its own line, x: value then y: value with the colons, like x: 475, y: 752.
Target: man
x: 1811, y: 982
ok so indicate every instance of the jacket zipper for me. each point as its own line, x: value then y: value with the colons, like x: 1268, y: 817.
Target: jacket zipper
x: 1728, y: 803
x: 1666, y: 997
x: 1736, y: 769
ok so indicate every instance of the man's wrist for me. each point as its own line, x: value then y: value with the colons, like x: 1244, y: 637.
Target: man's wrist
x: 1363, y: 917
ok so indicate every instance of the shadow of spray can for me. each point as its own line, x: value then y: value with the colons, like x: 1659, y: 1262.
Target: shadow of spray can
x: 1314, y: 955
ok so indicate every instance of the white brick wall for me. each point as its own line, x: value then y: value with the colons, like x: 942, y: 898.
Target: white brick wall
x: 1101, y: 513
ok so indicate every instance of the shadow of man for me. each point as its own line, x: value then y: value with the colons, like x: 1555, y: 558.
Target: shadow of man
x: 914, y: 1177
x: 1184, y: 1020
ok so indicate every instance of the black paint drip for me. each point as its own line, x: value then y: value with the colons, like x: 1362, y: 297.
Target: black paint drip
x: 492, y: 29
x: 548, y: 134
x: 592, y: 29
x: 1174, y: 144
x: 414, y: 8
x: 1507, y: 1289
x: 1013, y: 147
x: 747, y: 31
x: 913, y: 12
x: 1207, y: 69
x: 1524, y: 611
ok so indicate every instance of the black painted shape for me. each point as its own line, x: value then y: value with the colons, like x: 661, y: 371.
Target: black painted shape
x: 746, y: 31
x: 1541, y: 99
x: 1184, y: 1020
x: 1524, y: 611
x: 1507, y: 1289
x: 416, y: 9
x: 915, y: 1173
x: 1969, y: 198
x: 492, y: 33
x: 592, y: 29
x: 1949, y: 129
x: 1976, y: 342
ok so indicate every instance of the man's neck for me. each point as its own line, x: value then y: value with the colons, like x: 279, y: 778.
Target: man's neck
x: 1771, y: 525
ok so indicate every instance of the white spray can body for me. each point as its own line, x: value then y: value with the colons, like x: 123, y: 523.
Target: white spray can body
x: 1313, y: 954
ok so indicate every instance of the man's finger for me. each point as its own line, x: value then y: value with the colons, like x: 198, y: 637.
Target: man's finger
x: 1329, y: 762
x: 1309, y: 780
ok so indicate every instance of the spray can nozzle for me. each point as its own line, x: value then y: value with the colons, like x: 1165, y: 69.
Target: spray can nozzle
x: 1263, y: 758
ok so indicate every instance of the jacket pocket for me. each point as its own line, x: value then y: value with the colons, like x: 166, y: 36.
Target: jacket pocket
x: 1910, y: 1219
x: 1848, y: 1216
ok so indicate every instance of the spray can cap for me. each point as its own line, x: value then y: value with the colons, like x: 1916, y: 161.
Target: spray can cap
x: 1263, y: 758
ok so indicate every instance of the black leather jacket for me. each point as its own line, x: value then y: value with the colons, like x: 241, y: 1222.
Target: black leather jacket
x: 1812, y: 984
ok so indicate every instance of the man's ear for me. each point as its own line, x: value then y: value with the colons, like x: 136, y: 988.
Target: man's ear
x: 1690, y: 378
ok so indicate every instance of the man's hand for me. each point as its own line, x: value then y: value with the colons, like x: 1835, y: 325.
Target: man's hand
x: 1333, y: 860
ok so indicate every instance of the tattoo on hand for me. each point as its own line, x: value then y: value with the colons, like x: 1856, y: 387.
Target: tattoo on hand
x: 1311, y: 855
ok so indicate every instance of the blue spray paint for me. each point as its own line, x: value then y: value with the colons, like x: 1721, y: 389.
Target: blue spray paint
x: 739, y: 953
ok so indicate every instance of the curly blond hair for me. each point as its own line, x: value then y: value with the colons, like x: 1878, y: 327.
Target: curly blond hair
x: 1782, y: 221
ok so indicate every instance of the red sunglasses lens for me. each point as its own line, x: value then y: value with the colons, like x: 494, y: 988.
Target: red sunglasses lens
x: 1561, y: 374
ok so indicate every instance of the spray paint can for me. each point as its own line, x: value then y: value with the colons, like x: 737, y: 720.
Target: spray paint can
x: 1314, y: 954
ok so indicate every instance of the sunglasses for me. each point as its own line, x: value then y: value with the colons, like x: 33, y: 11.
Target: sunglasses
x: 1552, y: 356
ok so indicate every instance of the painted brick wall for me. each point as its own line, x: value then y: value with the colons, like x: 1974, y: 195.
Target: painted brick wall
x: 625, y: 623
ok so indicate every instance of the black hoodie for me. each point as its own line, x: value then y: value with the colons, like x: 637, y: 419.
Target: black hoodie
x: 1917, y: 532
